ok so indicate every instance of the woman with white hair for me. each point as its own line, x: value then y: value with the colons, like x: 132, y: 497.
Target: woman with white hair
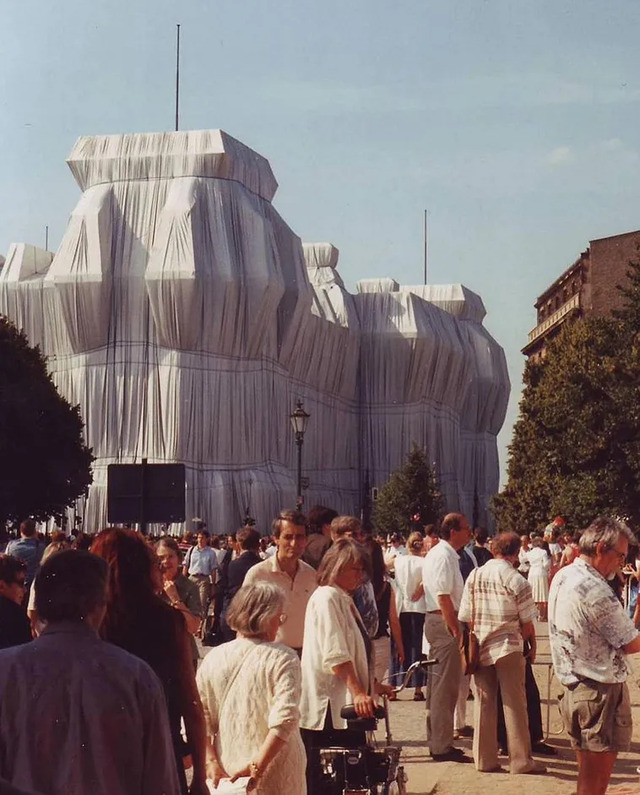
x: 250, y: 689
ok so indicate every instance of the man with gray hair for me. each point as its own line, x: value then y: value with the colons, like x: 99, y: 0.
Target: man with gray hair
x: 590, y: 637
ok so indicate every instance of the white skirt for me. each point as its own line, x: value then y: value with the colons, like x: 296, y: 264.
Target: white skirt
x: 539, y: 585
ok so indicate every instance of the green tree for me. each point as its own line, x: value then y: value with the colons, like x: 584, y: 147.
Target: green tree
x: 412, y: 490
x: 44, y: 463
x: 576, y: 446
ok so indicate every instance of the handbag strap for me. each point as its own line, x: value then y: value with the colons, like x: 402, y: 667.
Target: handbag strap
x: 473, y: 599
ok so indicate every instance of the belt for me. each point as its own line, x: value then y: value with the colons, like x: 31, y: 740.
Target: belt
x: 434, y: 612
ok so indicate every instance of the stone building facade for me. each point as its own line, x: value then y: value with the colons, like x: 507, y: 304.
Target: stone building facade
x: 588, y: 287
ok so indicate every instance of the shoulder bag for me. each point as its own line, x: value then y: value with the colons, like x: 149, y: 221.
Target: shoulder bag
x: 468, y: 645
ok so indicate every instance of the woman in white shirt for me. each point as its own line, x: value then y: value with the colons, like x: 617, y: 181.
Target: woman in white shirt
x: 336, y: 656
x: 412, y: 606
x: 539, y: 563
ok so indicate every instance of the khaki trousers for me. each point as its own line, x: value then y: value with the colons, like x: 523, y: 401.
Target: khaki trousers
x: 508, y: 672
x: 443, y: 683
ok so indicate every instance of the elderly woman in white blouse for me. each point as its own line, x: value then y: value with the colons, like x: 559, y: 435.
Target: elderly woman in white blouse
x: 336, y: 654
x: 250, y: 690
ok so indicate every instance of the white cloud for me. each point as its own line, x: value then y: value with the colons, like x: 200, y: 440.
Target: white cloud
x: 560, y: 156
x: 610, y: 154
x: 612, y: 145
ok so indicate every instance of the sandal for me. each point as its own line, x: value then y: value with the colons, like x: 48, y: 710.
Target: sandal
x: 419, y: 696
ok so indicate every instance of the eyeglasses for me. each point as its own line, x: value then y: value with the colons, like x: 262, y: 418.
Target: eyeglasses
x: 622, y: 556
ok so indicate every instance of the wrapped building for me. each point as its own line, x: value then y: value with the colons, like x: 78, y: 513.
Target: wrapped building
x: 186, y: 318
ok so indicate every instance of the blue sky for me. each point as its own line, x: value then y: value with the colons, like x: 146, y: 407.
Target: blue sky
x: 515, y: 124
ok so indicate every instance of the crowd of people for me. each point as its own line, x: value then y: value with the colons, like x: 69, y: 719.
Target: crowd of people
x: 101, y: 670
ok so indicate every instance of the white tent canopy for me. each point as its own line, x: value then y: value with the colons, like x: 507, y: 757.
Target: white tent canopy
x: 186, y: 318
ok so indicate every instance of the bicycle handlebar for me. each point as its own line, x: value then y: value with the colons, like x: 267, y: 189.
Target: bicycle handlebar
x: 423, y: 662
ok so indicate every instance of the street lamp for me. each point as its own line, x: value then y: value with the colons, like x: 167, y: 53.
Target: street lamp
x: 299, y: 419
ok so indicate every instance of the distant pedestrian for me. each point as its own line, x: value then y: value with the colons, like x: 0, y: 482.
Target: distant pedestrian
x: 319, y: 521
x: 201, y: 566
x: 412, y: 607
x: 480, y: 550
x: 539, y: 566
x: 233, y: 578
x: 28, y: 548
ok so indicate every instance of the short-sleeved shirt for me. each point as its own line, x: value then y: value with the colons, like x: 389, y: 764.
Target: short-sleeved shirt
x: 202, y: 561
x: 29, y: 551
x: 587, y: 627
x: 441, y: 575
x: 298, y: 591
x: 408, y: 570
x: 498, y: 599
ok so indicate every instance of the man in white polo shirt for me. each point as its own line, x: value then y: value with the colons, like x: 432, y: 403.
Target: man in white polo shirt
x: 296, y: 578
x: 443, y: 587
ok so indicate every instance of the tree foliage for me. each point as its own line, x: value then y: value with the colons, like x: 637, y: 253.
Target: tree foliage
x: 411, y: 491
x: 576, y: 445
x: 44, y: 463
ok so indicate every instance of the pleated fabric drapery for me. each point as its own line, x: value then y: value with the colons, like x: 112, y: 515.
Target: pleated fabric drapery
x: 186, y: 318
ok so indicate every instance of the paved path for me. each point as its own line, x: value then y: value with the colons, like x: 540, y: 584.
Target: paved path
x: 427, y: 777
x: 448, y: 778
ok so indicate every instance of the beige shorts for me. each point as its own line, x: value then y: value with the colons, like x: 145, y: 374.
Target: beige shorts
x: 597, y: 716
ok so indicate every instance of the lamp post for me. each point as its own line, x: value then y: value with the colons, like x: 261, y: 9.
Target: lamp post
x: 299, y: 419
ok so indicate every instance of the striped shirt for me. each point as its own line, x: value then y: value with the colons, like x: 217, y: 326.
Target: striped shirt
x: 497, y: 598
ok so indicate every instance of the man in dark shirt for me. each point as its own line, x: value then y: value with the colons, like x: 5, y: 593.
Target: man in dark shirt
x: 14, y: 624
x: 319, y: 521
x: 480, y: 551
x: 248, y: 541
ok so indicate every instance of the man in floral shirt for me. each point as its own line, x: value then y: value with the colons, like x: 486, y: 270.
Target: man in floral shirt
x: 590, y: 638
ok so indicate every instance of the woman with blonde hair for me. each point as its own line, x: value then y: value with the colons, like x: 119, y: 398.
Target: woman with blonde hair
x: 250, y: 689
x: 412, y: 606
x: 337, y: 667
